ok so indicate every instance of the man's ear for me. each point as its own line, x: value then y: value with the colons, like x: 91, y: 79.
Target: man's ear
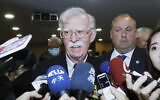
x: 93, y: 35
x: 136, y: 32
x: 111, y: 34
x: 61, y: 35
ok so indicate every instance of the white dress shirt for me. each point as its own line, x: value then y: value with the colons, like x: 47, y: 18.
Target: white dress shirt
x: 70, y: 65
x: 128, y: 55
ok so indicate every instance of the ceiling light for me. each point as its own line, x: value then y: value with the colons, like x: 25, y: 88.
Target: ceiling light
x: 15, y: 28
x: 53, y: 35
x: 19, y: 35
x: 100, y: 39
x: 99, y: 29
x: 58, y: 29
x: 9, y: 16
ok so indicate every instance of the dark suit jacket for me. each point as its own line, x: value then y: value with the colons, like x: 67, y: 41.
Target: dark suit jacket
x: 137, y: 62
x: 42, y: 67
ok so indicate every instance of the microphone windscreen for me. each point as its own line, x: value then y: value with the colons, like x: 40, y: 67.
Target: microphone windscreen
x: 117, y: 70
x: 104, y: 67
x: 83, y: 77
x: 58, y: 80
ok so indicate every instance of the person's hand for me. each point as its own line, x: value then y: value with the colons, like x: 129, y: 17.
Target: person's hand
x: 143, y: 93
x: 101, y: 93
x: 118, y: 95
x: 32, y: 94
x: 66, y: 97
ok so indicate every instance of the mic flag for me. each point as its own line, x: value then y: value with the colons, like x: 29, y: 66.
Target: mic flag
x: 14, y: 45
x: 117, y: 69
x: 86, y: 73
x: 58, y: 80
x: 83, y: 79
x: 104, y: 67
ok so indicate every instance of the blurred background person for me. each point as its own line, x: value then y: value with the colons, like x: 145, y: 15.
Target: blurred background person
x: 16, y: 73
x: 54, y: 48
x: 153, y: 67
x: 143, y: 34
x: 21, y: 73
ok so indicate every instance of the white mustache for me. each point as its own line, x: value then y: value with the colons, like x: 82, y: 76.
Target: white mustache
x: 77, y: 44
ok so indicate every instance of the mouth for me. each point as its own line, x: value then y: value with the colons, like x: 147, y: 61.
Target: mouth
x: 76, y: 46
x: 123, y: 41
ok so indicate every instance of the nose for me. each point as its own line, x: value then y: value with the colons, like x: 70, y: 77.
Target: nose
x: 124, y: 33
x: 74, y: 37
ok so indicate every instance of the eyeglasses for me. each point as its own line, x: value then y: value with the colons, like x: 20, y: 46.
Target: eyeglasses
x: 79, y: 33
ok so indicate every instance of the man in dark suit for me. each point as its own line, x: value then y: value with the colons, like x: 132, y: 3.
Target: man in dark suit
x: 123, y: 35
x: 77, y: 33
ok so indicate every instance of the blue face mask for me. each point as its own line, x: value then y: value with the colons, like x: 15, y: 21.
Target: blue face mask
x: 54, y: 51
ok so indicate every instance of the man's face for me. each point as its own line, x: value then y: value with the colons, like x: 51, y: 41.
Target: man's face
x: 77, y: 46
x: 123, y: 34
x: 142, y: 41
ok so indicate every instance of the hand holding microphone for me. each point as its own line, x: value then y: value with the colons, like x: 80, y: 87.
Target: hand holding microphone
x: 145, y: 87
x: 116, y: 68
x: 32, y: 94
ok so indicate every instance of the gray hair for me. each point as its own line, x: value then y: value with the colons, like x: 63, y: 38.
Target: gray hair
x: 75, y: 11
x: 143, y: 29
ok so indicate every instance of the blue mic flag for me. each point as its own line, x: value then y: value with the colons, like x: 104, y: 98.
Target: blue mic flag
x: 58, y: 79
x: 104, y: 67
x: 83, y: 77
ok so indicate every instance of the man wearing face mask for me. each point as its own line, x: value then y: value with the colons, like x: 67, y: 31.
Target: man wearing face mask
x: 54, y: 46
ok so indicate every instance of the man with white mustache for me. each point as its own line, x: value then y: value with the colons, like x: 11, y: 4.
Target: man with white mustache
x: 78, y: 31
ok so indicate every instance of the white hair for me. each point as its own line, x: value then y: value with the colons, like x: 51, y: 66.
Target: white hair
x: 143, y: 29
x: 75, y: 11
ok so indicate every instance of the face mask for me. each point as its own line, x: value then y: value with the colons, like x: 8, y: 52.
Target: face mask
x: 54, y: 51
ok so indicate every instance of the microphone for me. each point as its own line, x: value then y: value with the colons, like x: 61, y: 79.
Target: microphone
x: 83, y: 79
x: 40, y: 84
x: 104, y: 67
x: 117, y: 69
x: 58, y: 80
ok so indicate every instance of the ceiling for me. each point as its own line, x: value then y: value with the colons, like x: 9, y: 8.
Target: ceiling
x: 146, y: 13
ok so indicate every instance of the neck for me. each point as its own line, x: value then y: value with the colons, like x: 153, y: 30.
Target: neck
x: 77, y: 59
x: 123, y: 51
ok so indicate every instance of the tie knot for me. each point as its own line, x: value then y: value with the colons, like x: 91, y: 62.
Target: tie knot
x: 75, y: 65
x: 123, y: 57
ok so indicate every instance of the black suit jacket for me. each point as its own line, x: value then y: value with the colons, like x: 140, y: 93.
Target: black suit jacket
x: 43, y: 66
x: 137, y: 62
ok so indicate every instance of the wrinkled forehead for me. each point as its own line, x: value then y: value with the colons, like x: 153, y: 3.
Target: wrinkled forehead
x: 76, y: 21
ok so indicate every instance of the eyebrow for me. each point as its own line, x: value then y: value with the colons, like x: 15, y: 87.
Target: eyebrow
x: 153, y: 43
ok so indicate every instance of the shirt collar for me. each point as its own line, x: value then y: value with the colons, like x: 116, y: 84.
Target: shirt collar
x: 116, y: 53
x: 70, y: 63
